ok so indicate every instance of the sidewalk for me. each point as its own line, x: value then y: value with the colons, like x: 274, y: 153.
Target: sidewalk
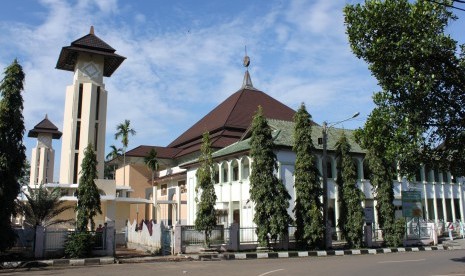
x: 132, y: 256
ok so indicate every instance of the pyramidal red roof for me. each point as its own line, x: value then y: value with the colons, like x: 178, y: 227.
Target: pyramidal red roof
x: 45, y: 126
x: 90, y: 44
x: 234, y: 115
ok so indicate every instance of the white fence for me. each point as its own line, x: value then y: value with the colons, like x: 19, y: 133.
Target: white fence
x: 143, y: 237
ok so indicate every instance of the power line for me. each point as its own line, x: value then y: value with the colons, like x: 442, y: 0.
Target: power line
x: 449, y: 6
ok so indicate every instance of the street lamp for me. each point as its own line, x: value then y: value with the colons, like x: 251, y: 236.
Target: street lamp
x: 327, y: 232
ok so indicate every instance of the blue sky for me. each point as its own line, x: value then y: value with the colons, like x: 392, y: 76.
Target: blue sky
x: 185, y: 57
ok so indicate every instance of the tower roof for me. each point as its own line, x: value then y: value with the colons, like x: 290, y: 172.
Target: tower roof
x: 45, y: 126
x: 91, y: 44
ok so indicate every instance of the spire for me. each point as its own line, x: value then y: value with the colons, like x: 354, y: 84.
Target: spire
x: 247, y: 82
x: 91, y: 30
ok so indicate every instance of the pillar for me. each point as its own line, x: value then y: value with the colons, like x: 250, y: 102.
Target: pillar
x: 452, y: 203
x: 461, y: 200
x: 444, y: 205
x: 435, y: 203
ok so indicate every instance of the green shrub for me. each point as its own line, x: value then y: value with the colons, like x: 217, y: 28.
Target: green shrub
x: 395, y: 235
x: 79, y: 245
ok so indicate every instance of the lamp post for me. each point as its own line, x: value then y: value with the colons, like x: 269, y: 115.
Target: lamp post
x: 327, y: 232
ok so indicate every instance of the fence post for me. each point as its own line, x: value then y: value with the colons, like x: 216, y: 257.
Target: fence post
x: 178, y: 239
x: 39, y: 243
x: 234, y: 237
x: 109, y: 234
x: 368, y: 235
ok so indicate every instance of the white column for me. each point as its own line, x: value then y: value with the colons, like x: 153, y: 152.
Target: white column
x: 444, y: 209
x: 178, y: 207
x: 461, y: 200
x: 452, y: 203
x: 435, y: 203
x: 426, y: 200
x: 336, y: 211
x: 375, y: 204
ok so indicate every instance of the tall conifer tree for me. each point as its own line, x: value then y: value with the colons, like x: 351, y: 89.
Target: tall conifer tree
x: 308, y: 206
x: 205, y: 219
x: 88, y: 204
x: 268, y: 193
x: 350, y: 196
x: 12, y: 149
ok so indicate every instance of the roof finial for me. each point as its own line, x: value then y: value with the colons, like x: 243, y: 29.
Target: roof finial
x: 246, y: 59
x: 91, y: 30
x: 247, y: 83
x: 46, y: 116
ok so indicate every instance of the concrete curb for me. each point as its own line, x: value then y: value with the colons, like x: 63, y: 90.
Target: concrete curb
x: 297, y: 254
x: 58, y: 263
x: 220, y: 256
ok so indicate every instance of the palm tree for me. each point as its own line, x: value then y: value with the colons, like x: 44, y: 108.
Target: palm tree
x: 115, y: 153
x: 42, y: 207
x: 123, y: 130
x: 152, y: 164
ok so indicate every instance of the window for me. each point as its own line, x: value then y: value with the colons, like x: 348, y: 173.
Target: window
x: 182, y: 186
x: 95, y: 136
x: 235, y: 171
x: 366, y: 170
x: 418, y: 175
x: 245, y: 168
x: 75, y: 171
x: 225, y: 172
x: 436, y: 175
x: 164, y: 189
x: 329, y: 169
x: 79, y: 111
x: 97, y: 105
x: 216, y: 174
x: 444, y: 177
x: 78, y: 135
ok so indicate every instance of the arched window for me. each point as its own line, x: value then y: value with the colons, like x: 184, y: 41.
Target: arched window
x: 356, y: 165
x: 366, y: 170
x: 235, y: 170
x: 225, y: 172
x: 329, y: 168
x: 216, y: 174
x: 245, y: 168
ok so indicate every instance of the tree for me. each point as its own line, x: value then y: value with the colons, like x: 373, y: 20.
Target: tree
x: 88, y: 197
x: 350, y: 196
x: 421, y: 72
x: 115, y: 153
x: 205, y: 219
x: 12, y: 149
x: 268, y: 193
x: 308, y: 190
x: 42, y: 207
x: 123, y: 130
x: 382, y: 170
x: 152, y: 164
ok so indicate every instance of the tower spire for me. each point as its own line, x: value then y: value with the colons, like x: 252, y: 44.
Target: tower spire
x: 91, y: 30
x: 247, y: 82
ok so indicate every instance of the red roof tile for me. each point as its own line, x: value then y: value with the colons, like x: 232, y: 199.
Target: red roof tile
x: 235, y: 114
x: 45, y: 126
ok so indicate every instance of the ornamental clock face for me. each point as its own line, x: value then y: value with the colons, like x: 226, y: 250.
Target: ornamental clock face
x: 91, y: 70
x: 46, y: 140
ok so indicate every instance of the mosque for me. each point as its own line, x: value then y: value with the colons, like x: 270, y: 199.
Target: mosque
x: 171, y: 196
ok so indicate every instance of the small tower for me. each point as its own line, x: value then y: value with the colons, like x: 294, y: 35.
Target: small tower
x: 84, y: 121
x: 43, y: 155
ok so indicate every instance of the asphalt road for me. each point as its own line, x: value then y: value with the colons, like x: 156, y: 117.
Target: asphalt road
x: 409, y: 263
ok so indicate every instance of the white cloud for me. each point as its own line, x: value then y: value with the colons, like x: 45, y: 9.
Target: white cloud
x: 176, y: 74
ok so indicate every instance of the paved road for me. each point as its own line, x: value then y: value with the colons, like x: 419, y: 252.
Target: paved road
x: 411, y: 263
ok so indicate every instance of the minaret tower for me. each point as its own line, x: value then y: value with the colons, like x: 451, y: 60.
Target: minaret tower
x: 43, y: 155
x: 84, y: 122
